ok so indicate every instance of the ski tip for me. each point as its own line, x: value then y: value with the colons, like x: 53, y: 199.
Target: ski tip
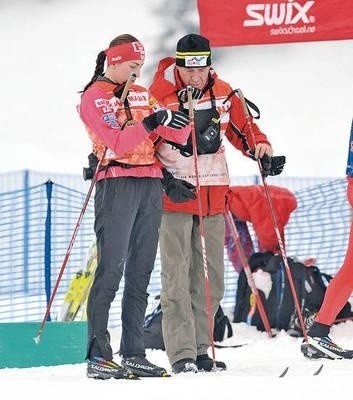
x: 230, y: 346
x: 284, y: 372
x: 317, y: 372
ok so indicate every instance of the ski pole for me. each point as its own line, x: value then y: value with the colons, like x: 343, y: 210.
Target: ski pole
x: 78, y: 223
x: 201, y: 222
x: 247, y: 270
x: 337, y: 320
x: 274, y: 220
x: 68, y: 252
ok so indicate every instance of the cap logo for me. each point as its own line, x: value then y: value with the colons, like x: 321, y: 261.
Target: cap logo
x: 192, y: 58
x: 195, y: 61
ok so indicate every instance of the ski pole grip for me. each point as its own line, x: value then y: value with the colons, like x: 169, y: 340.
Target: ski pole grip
x: 191, y: 107
x: 128, y: 83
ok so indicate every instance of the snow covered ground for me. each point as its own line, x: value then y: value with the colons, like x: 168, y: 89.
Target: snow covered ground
x: 253, y: 371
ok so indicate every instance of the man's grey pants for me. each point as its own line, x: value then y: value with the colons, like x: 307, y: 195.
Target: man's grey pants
x: 185, y: 322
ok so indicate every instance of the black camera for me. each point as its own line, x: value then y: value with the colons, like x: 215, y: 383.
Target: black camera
x: 88, y: 172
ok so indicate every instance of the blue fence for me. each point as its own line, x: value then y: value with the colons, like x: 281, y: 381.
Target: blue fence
x: 36, y: 225
x: 38, y: 216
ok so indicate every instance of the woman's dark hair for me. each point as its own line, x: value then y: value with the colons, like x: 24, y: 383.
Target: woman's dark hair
x: 125, y: 38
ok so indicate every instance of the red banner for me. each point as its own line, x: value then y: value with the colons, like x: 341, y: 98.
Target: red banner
x: 241, y: 22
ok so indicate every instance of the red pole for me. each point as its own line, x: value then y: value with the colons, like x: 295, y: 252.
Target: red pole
x: 78, y: 223
x: 67, y: 255
x: 337, y: 320
x: 274, y: 220
x: 247, y: 270
x: 202, y: 228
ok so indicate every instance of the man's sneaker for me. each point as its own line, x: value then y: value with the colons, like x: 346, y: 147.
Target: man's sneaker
x: 99, y: 368
x: 205, y: 363
x: 324, y: 347
x: 140, y: 366
x: 184, y: 365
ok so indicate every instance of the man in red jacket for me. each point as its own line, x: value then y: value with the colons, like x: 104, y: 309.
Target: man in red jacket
x: 185, y: 325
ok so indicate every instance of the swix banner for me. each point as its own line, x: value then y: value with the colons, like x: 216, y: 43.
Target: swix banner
x: 239, y: 22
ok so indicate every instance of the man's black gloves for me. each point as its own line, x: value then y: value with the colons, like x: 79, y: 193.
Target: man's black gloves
x: 173, y: 119
x: 88, y: 172
x: 266, y: 162
x: 195, y: 92
x: 177, y: 190
x: 277, y: 165
x: 272, y: 166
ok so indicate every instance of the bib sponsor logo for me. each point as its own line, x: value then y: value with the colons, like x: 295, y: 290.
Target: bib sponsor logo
x: 138, y: 99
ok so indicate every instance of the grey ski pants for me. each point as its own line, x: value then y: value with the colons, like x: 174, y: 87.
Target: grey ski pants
x: 185, y: 322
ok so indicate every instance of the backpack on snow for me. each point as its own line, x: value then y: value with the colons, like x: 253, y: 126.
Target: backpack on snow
x: 152, y: 328
x: 222, y: 327
x: 310, y: 286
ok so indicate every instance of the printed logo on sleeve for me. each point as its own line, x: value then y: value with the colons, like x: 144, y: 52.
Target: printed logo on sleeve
x: 104, y: 104
x: 111, y: 120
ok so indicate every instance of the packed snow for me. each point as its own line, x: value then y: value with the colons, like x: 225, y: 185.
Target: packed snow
x: 253, y: 371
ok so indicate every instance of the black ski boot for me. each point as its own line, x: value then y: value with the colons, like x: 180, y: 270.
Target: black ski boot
x: 140, y: 366
x: 320, y: 345
x: 184, y: 365
x: 324, y: 347
x: 205, y: 363
x: 99, y: 368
